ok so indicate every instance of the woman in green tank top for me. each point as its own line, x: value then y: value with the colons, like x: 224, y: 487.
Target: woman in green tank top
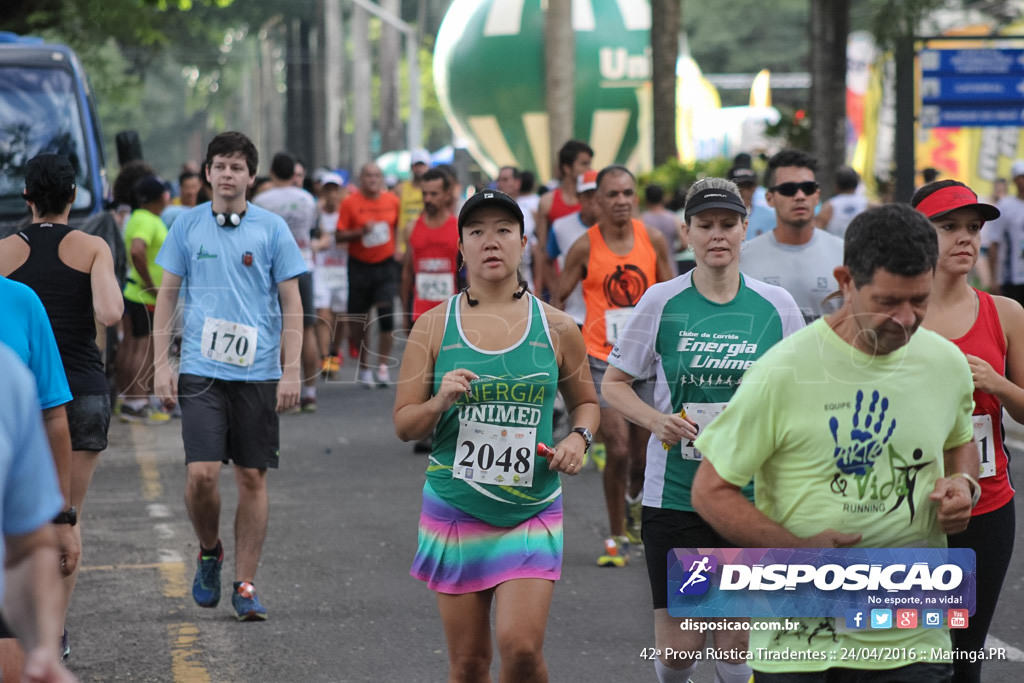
x: 480, y: 374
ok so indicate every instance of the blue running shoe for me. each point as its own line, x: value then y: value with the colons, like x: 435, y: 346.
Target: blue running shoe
x: 206, y: 585
x: 247, y: 604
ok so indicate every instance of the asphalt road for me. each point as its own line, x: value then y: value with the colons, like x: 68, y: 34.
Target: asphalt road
x: 334, y: 576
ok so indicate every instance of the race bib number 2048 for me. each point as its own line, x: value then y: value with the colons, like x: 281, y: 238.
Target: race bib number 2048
x: 495, y: 454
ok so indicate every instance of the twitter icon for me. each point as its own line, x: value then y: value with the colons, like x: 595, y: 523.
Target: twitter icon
x: 881, y: 618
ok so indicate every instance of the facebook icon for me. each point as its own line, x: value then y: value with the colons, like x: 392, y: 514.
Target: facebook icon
x: 855, y: 618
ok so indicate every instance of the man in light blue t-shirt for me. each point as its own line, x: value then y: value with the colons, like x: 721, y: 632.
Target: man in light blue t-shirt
x: 237, y: 265
x: 29, y: 500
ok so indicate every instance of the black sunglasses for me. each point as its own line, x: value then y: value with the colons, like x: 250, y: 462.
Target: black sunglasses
x: 808, y: 187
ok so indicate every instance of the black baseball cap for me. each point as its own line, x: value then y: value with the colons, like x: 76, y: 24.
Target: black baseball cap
x: 713, y: 198
x: 742, y: 176
x: 48, y: 173
x: 490, y: 198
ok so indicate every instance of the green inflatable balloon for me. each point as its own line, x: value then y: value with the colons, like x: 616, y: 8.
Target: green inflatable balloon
x: 489, y: 75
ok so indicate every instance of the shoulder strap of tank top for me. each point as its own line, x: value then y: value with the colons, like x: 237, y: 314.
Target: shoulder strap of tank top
x: 990, y: 314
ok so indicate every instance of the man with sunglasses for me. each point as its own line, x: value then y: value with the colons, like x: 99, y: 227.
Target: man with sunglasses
x: 794, y: 255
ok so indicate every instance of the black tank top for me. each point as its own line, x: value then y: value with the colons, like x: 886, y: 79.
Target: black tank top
x: 66, y: 294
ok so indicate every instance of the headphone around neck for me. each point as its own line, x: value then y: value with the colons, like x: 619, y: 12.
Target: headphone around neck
x: 228, y: 220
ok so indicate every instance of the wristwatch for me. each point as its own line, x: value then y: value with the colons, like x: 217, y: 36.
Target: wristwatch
x: 587, y: 435
x: 69, y: 517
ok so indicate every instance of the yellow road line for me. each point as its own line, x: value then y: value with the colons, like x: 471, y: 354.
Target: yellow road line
x: 183, y: 636
x: 183, y: 665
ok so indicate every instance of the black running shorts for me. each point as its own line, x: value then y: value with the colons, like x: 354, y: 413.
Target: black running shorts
x: 370, y: 284
x: 662, y: 530
x: 88, y: 421
x: 229, y: 421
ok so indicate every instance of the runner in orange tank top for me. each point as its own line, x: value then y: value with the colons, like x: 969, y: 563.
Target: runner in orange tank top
x: 617, y: 260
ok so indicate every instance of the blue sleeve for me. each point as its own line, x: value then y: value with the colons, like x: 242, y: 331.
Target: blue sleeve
x: 44, y: 358
x: 552, y: 246
x: 173, y: 256
x: 31, y: 494
x: 287, y: 261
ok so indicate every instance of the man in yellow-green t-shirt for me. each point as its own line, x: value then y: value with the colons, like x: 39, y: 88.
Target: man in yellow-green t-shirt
x: 144, y: 234
x: 857, y: 432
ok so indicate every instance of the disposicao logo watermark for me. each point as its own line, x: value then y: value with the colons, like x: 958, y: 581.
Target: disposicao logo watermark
x: 698, y: 580
x: 819, y: 582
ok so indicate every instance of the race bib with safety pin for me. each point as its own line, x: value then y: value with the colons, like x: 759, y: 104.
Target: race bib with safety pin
x: 228, y: 342
x: 434, y: 286
x: 615, y: 320
x: 986, y: 450
x: 495, y: 454
x: 701, y: 414
x: 379, y: 233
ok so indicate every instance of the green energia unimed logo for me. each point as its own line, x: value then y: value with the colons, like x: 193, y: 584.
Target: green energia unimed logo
x: 204, y: 254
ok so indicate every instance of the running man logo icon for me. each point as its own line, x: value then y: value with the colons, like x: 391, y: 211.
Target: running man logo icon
x: 698, y: 568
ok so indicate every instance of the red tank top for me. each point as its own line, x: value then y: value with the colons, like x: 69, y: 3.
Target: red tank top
x: 986, y: 341
x: 613, y: 285
x: 434, y: 252
x: 559, y: 208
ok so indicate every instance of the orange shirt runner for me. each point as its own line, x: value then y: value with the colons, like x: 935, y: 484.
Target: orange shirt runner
x: 381, y: 214
x: 613, y: 285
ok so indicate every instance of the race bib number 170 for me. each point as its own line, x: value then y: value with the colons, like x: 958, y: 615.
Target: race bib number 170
x: 227, y: 342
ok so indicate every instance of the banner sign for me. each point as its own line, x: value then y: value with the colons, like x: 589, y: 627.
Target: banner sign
x: 817, y: 582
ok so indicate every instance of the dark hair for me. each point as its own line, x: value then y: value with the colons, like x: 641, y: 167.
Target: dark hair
x: 230, y: 143
x: 614, y: 169
x: 570, y: 150
x: 925, y: 190
x: 515, y: 171
x: 847, y: 179
x: 50, y: 183
x: 131, y: 173
x: 653, y: 194
x: 185, y: 175
x: 895, y: 237
x: 929, y: 174
x: 282, y: 166
x: 526, y: 182
x: 437, y: 174
x: 785, y: 158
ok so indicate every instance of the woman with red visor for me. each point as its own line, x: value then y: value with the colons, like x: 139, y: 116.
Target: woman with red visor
x: 990, y: 332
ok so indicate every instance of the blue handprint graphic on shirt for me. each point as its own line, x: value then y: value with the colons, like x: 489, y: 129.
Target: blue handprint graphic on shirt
x: 858, y: 455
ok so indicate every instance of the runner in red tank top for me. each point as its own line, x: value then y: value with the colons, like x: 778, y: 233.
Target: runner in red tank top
x: 430, y: 270
x: 990, y: 332
x: 573, y: 161
x: 618, y: 260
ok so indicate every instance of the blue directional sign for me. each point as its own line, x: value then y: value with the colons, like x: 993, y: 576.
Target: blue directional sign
x: 968, y: 88
x: 970, y: 62
x: 956, y: 116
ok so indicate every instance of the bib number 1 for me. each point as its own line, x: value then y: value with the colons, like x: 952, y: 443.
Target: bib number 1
x: 986, y: 450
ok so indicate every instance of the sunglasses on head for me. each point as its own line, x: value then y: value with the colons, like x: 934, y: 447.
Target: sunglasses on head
x: 808, y: 187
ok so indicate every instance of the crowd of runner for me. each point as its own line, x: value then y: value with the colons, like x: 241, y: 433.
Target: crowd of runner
x: 541, y: 332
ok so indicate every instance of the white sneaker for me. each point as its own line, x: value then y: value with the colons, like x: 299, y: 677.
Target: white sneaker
x: 366, y: 378
x: 383, y: 376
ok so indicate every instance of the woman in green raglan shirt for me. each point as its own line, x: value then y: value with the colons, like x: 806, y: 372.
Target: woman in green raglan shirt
x: 480, y: 373
x: 697, y: 333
